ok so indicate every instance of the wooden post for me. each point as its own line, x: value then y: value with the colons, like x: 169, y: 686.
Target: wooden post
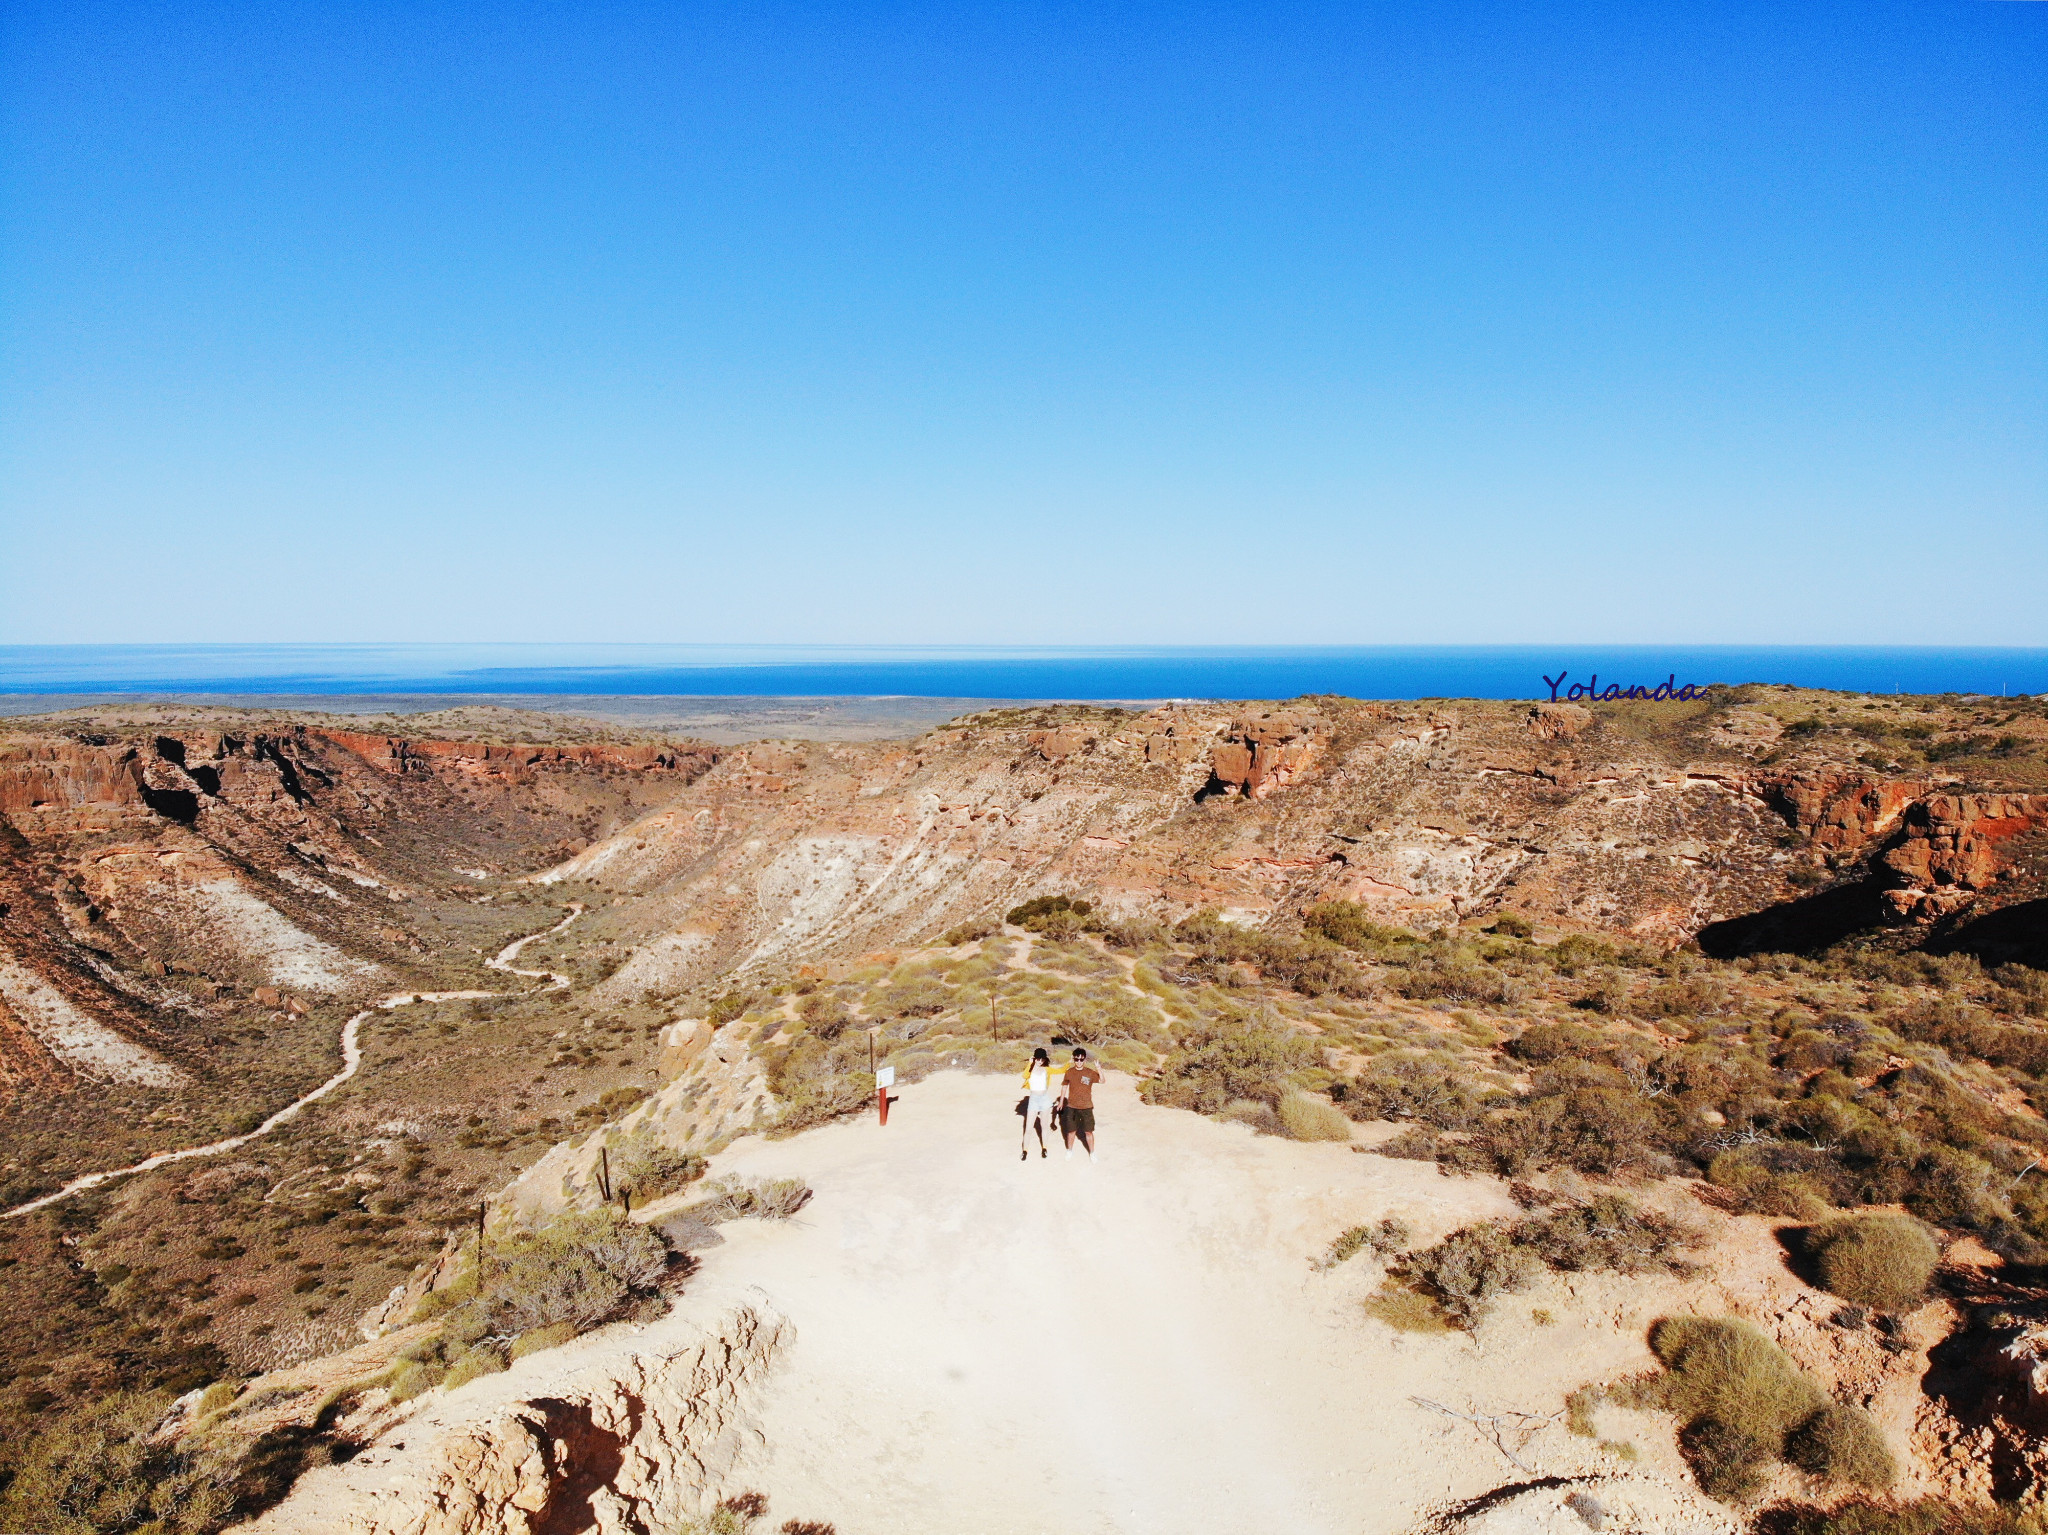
x: 482, y: 1209
x: 604, y: 1172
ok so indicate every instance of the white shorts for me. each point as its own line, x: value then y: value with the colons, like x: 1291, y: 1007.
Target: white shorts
x: 1037, y: 1106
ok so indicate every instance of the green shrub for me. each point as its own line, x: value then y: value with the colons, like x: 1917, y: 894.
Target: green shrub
x: 1725, y: 1370
x: 554, y: 1335
x: 1217, y: 1063
x: 1510, y: 924
x: 966, y: 932
x: 1842, y: 1444
x: 649, y: 1169
x: 1350, y: 924
x: 1056, y: 916
x: 1759, y: 1191
x: 1306, y: 1118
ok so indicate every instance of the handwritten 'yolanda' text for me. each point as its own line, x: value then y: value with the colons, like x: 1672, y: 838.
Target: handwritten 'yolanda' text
x: 1592, y: 691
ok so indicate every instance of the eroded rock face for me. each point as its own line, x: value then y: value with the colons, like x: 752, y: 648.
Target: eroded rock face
x: 173, y: 870
x: 1264, y: 753
x: 1935, y: 849
x: 640, y: 1439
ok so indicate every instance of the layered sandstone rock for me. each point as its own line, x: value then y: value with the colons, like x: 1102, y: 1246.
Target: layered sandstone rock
x: 1265, y: 753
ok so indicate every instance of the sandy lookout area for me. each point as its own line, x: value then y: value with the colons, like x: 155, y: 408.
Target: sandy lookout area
x: 970, y: 1343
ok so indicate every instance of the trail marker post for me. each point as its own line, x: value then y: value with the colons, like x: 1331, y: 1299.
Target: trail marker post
x: 885, y: 1076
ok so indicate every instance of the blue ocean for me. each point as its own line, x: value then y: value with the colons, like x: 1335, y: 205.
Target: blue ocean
x: 1101, y: 673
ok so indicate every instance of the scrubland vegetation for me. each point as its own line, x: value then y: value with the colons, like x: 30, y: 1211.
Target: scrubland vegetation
x: 1885, y: 1102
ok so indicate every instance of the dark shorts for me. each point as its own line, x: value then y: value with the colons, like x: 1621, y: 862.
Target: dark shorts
x: 1080, y: 1121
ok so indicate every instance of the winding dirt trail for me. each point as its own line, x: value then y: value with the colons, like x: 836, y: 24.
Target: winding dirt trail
x: 351, y: 1060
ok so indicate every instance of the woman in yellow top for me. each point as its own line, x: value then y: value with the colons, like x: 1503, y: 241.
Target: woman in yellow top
x: 1039, y: 1086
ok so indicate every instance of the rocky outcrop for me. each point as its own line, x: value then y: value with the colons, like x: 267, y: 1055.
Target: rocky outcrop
x: 393, y: 754
x: 40, y: 776
x: 610, y: 1435
x: 1261, y: 754
x: 1933, y: 850
x: 1840, y: 812
x: 1558, y: 722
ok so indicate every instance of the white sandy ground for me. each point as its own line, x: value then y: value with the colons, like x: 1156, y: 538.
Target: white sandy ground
x: 1136, y: 1346
x: 80, y: 1041
x: 291, y: 955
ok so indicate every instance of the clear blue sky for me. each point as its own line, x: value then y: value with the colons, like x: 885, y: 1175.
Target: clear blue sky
x: 1265, y: 323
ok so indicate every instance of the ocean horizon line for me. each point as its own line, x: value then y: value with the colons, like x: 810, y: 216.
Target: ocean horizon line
x: 1078, y: 673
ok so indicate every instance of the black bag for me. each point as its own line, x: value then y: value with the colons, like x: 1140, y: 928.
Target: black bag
x: 1020, y: 1105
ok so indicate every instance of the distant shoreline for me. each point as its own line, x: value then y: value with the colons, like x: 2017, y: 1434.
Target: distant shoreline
x: 926, y: 678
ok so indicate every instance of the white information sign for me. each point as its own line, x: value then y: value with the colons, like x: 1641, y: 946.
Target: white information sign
x: 886, y: 1077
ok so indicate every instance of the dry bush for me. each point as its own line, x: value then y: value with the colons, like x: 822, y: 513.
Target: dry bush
x: 1406, y: 1310
x: 1926, y: 1516
x: 1387, y: 1238
x: 1258, y: 1116
x: 1842, y: 1444
x: 650, y: 1169
x: 914, y: 996
x: 1881, y: 1261
x: 1307, y: 1118
x: 579, y: 1268
x: 1541, y: 1043
x: 1468, y: 1269
x: 1739, y: 1394
x: 99, y: 1470
x: 554, y: 1335
x: 1431, y: 1088
x: 1608, y: 1232
x: 1219, y: 1062
x: 1728, y: 1464
x: 412, y: 1377
x: 478, y: 1360
x: 736, y: 1198
x: 1457, y: 982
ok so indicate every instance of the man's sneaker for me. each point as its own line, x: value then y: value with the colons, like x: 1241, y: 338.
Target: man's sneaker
x: 1070, y: 1153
